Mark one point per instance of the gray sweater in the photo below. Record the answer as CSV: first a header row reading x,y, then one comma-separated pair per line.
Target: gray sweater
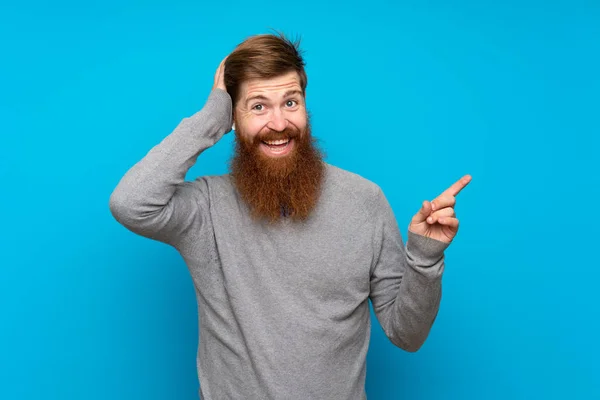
x,y
283,310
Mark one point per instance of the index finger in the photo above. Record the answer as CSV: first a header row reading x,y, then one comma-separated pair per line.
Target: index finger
x,y
458,185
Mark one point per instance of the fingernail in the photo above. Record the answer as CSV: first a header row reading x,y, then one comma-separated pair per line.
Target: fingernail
x,y
432,206
429,219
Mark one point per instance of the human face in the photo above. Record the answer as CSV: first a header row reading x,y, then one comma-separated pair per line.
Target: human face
x,y
267,109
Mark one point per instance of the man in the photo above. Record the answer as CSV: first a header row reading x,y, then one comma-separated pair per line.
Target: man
x,y
286,250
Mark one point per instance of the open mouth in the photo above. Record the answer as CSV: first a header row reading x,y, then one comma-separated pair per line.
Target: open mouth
x,y
277,147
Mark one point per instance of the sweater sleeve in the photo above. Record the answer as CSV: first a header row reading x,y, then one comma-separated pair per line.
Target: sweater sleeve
x,y
152,199
406,281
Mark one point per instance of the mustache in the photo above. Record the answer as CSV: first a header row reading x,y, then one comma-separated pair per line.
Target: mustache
x,y
287,133
281,187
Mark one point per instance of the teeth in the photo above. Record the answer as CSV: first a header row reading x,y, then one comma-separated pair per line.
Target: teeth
x,y
277,142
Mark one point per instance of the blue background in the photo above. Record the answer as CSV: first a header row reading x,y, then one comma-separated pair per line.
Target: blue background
x,y
411,95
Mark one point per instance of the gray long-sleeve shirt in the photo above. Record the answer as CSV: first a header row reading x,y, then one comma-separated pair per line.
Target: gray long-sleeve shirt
x,y
283,310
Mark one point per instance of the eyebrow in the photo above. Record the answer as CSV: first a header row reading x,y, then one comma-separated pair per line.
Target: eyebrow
x,y
261,97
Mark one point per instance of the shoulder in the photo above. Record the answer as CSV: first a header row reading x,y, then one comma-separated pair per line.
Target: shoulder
x,y
352,187
214,185
350,182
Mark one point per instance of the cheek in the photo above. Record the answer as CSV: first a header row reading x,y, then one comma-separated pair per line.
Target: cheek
x,y
299,121
248,128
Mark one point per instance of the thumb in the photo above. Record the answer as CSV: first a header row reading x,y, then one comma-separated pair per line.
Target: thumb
x,y
423,213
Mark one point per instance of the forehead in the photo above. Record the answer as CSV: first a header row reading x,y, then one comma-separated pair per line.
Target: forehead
x,y
272,86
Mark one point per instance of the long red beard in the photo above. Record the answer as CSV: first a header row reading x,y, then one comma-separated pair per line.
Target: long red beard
x,y
274,188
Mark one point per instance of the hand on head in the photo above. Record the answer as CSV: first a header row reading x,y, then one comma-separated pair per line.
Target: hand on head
x,y
220,76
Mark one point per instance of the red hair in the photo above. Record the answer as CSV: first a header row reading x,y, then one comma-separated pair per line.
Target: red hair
x,y
263,57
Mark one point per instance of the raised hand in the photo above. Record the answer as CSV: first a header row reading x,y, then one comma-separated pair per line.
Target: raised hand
x,y
220,76
437,219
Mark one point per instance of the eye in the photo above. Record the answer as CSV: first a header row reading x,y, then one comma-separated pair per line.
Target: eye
x,y
291,103
258,107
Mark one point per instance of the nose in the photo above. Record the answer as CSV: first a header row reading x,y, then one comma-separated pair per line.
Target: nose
x,y
278,121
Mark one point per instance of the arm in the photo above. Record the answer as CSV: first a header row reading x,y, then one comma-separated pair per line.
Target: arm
x,y
406,282
152,198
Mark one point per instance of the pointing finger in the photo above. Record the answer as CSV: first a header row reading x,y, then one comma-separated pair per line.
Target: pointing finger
x,y
458,185
442,201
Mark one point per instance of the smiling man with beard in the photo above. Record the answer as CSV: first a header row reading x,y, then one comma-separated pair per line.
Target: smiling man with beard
x,y
277,169
286,250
